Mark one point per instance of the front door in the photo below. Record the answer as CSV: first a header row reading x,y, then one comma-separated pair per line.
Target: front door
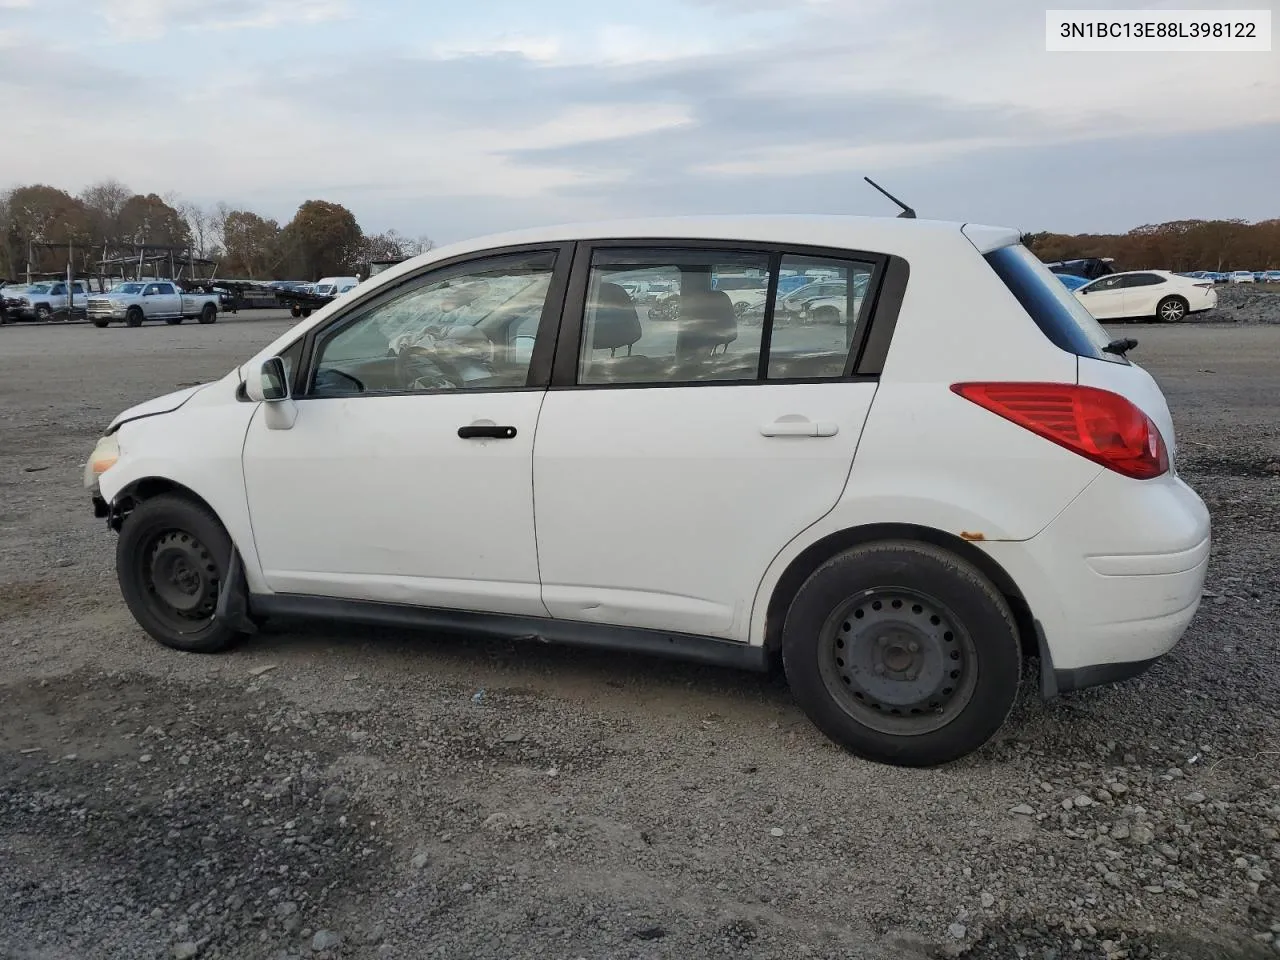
x,y
407,475
1104,298
673,463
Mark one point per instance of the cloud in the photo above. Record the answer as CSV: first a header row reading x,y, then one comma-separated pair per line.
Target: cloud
x,y
701,105
153,19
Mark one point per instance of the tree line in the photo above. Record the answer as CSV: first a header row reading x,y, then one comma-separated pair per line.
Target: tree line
x,y
42,226
1179,245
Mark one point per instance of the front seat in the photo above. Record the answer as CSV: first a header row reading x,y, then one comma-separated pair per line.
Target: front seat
x,y
707,323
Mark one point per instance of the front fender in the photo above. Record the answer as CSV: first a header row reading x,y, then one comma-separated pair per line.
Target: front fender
x,y
198,448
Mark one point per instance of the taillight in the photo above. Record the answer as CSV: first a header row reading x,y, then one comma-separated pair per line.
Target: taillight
x,y
1103,426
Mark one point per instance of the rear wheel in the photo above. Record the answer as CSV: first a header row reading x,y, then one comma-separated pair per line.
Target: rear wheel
x,y
1171,309
133,317
295,310
209,313
171,560
902,653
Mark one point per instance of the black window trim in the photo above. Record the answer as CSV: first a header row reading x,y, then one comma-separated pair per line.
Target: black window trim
x,y
877,319
544,344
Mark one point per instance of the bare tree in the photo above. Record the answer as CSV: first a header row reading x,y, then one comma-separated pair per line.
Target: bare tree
x,y
206,238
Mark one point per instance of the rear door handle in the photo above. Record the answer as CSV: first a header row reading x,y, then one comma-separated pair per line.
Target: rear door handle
x,y
794,425
486,431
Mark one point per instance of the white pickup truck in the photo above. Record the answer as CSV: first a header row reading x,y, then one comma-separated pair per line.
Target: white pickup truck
x,y
47,299
136,301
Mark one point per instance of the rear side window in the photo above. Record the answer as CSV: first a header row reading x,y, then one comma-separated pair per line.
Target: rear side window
x,y
1059,315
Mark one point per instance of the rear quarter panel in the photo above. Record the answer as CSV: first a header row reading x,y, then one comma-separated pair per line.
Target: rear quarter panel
x,y
927,456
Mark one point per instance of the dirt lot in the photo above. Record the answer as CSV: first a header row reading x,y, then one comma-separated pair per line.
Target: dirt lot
x,y
347,793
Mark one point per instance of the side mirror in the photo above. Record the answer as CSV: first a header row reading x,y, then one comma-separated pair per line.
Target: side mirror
x,y
269,382
270,385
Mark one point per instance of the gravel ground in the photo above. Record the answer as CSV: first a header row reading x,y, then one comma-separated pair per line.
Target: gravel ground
x,y
1245,303
368,793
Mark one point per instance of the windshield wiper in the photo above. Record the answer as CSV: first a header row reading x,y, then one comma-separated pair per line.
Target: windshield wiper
x,y
1120,347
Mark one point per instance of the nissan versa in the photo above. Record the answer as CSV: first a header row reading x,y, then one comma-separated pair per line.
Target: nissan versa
x,y
900,500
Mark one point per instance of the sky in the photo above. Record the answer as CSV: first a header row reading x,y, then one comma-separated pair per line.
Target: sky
x,y
453,120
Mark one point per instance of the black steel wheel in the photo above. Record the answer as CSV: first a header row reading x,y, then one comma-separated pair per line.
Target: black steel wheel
x,y
208,314
898,661
172,560
903,653
133,317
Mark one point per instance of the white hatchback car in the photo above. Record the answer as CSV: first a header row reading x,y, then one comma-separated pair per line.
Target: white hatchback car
x,y
494,436
1147,294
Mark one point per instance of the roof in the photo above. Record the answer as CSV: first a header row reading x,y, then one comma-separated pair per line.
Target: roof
x,y
891,235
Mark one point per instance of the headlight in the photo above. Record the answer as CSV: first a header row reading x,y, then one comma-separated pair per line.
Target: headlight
x,y
105,454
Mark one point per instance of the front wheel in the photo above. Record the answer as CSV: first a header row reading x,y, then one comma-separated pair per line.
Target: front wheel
x,y
172,559
43,313
1171,309
133,317
903,653
209,313
295,310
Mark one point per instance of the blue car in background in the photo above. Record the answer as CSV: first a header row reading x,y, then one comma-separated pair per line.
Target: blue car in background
x,y
1071,281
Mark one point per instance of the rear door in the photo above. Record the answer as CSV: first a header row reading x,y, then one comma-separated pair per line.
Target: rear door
x,y
1142,291
676,455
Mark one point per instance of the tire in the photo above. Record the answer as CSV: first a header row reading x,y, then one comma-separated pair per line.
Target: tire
x,y
133,317
173,321
208,314
1172,310
43,313
171,557
893,627
825,315
306,311
100,321
295,310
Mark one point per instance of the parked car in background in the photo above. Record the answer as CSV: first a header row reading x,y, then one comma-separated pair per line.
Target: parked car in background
x,y
10,297
1240,276
1146,294
1271,276
49,299
1071,281
137,301
899,511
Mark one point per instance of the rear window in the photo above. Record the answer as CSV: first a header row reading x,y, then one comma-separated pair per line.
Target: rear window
x,y
1059,315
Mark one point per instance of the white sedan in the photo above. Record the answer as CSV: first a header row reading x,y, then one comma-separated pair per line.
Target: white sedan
x,y
1146,294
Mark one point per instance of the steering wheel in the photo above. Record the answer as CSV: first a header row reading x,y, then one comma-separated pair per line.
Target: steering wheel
x,y
445,377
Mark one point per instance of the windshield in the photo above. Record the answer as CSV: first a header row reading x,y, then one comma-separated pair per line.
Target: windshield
x,y
1056,311
128,288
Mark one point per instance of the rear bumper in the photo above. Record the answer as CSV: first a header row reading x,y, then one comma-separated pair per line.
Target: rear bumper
x,y
1114,581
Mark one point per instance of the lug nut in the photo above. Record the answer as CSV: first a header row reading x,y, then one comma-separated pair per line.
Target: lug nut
x,y
913,647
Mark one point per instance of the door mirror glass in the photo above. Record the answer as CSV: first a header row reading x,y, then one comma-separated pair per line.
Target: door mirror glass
x,y
270,383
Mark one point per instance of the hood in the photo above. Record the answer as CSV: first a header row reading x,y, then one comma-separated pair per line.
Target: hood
x,y
150,408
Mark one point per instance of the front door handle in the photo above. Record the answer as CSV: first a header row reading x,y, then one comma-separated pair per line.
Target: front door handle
x,y
486,431
794,425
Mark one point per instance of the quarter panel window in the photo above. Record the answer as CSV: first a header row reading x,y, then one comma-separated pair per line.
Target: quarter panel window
x,y
469,327
815,324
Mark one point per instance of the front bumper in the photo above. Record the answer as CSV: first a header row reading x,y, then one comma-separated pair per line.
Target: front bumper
x,y
1114,581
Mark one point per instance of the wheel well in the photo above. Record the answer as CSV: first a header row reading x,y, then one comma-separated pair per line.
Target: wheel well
x,y
145,489
816,554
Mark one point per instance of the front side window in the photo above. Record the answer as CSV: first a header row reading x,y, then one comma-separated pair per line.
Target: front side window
x,y
152,290
464,328
688,334
166,288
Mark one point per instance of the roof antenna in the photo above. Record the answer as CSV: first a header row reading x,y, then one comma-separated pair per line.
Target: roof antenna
x,y
907,212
